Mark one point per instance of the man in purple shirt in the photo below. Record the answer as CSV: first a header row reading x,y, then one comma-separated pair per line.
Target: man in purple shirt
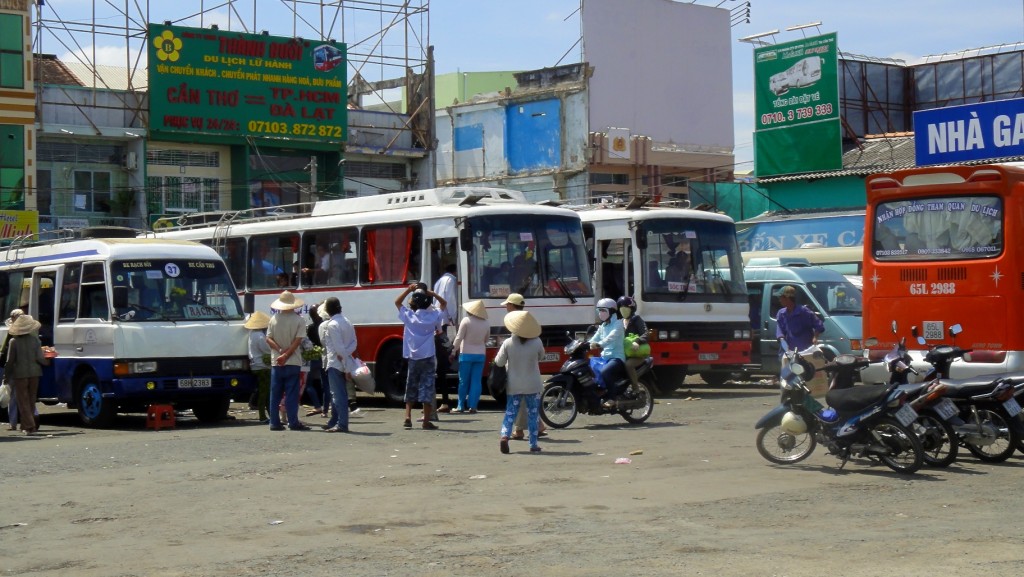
x,y
797,324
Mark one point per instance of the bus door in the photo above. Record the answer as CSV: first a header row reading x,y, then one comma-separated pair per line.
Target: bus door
x,y
613,267
42,305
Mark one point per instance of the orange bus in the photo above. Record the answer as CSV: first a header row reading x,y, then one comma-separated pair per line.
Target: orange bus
x,y
940,250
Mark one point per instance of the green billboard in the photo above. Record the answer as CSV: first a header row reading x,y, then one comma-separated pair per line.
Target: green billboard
x,y
796,103
206,81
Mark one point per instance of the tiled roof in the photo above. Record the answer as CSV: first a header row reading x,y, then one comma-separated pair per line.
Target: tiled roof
x,y
49,70
876,154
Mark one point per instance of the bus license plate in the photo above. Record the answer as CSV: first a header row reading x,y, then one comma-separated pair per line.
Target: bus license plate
x,y
946,409
906,415
707,357
551,357
1012,406
194,383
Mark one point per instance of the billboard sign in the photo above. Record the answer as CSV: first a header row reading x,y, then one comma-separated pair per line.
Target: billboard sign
x,y
970,132
796,102
206,81
15,223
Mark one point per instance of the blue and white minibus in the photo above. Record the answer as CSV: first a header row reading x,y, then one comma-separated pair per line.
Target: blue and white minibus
x,y
135,322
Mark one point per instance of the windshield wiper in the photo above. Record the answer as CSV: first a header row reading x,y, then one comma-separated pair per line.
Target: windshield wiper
x,y
130,314
565,289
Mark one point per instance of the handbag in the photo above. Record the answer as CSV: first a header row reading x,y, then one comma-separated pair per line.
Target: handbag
x,y
362,378
5,395
497,378
642,352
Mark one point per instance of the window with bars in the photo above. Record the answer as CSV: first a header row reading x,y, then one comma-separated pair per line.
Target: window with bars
x,y
389,170
179,157
182,194
92,190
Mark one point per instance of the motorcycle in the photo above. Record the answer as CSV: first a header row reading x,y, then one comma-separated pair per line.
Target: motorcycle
x,y
575,389
980,413
867,421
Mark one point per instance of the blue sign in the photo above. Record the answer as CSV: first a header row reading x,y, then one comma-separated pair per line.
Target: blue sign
x,y
970,132
828,231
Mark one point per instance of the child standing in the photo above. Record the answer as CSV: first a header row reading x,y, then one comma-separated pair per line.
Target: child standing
x,y
258,347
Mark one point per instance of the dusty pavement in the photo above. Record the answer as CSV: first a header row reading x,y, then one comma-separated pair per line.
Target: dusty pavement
x,y
238,499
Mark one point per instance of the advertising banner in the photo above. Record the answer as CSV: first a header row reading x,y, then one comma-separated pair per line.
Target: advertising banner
x,y
970,132
14,223
212,82
796,102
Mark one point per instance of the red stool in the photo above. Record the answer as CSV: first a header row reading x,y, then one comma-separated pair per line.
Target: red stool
x,y
158,416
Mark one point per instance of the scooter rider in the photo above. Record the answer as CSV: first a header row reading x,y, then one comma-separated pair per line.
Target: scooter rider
x,y
610,337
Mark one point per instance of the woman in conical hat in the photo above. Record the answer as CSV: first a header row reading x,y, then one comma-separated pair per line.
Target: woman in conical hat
x,y
471,346
521,354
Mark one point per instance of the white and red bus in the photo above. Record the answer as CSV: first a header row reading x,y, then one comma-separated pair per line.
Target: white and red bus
x,y
366,250
940,250
684,269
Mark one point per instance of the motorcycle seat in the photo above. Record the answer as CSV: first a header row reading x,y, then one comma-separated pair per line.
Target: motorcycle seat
x,y
915,389
966,388
857,398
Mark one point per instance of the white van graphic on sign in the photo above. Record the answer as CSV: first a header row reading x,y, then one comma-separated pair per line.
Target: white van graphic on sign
x,y
804,73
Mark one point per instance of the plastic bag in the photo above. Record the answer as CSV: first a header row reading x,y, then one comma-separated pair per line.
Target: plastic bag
x,y
497,378
641,352
362,378
5,395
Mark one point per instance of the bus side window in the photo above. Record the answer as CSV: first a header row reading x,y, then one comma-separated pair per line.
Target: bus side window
x,y
391,255
94,302
69,293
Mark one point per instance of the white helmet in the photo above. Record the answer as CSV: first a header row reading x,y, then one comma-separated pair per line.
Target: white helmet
x,y
793,424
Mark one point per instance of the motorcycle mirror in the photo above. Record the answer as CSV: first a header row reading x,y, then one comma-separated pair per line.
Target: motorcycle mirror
x,y
913,331
921,341
894,326
955,330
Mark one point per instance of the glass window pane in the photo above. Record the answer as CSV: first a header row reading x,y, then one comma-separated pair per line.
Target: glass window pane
x,y
924,86
11,33
1007,73
950,80
12,70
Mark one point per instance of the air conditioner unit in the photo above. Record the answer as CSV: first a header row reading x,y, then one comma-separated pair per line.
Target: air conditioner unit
x,y
129,161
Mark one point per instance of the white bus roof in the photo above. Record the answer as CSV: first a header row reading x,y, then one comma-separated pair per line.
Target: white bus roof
x,y
603,213
102,248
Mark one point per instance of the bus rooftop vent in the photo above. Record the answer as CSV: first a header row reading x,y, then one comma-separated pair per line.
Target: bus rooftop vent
x,y
464,195
107,232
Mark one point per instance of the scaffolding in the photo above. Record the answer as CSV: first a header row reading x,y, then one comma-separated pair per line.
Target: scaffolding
x,y
388,43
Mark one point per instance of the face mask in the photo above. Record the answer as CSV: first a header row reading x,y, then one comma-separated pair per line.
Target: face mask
x,y
625,312
603,314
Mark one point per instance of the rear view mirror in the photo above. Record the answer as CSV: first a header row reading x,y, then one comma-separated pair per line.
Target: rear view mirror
x,y
120,297
466,238
956,329
248,303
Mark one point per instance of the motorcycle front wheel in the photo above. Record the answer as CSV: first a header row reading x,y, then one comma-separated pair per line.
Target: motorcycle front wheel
x,y
937,439
558,406
643,393
1002,446
905,454
782,448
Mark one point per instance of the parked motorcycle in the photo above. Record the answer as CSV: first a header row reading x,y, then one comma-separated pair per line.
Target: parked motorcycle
x,y
575,389
867,421
982,410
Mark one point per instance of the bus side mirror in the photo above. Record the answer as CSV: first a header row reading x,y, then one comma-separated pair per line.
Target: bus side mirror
x,y
641,240
4,285
465,239
120,297
248,303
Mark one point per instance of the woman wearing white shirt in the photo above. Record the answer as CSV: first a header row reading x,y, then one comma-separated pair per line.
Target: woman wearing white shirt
x,y
471,343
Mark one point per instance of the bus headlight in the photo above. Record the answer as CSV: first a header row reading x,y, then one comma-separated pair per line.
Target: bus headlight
x,y
124,369
741,334
662,335
234,365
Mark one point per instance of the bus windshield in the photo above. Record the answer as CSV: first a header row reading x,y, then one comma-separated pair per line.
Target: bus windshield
x,y
685,257
533,255
172,289
938,228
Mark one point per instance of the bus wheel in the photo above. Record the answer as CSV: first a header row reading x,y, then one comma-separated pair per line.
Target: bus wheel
x,y
93,409
715,379
669,378
212,410
390,373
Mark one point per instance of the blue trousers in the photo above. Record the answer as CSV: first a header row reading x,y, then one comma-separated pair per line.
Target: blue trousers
x,y
471,372
339,399
532,415
284,382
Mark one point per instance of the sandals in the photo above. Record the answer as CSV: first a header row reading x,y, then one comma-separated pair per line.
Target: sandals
x,y
503,445
313,412
519,436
